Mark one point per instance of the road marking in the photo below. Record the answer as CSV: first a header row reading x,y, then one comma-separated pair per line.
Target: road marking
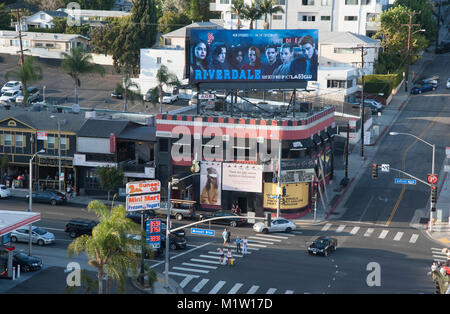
x,y
260,238
200,285
208,256
326,227
204,261
191,269
257,245
252,289
217,253
285,234
235,288
398,236
271,291
258,241
413,238
275,236
185,281
181,274
340,228
383,234
369,232
354,230
217,287
198,265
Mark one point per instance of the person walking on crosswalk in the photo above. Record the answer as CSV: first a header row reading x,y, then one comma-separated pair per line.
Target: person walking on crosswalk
x,y
221,255
238,244
244,246
225,236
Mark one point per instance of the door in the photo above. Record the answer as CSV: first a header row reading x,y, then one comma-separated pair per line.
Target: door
x,y
242,203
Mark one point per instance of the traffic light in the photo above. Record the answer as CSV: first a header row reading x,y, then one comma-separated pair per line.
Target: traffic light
x,y
315,188
268,219
433,193
374,171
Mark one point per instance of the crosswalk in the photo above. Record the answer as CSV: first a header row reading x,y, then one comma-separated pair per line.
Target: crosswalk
x,y
438,255
384,234
192,273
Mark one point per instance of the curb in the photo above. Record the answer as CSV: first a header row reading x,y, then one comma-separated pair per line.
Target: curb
x,y
339,199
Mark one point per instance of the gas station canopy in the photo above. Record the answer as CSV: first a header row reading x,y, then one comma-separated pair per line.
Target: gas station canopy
x,y
11,220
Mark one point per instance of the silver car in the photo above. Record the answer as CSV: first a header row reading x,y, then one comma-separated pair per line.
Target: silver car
x,y
39,235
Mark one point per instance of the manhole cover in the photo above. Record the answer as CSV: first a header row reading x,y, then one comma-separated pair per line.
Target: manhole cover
x,y
424,220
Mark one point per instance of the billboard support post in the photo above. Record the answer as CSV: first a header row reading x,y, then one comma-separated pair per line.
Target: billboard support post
x,y
279,179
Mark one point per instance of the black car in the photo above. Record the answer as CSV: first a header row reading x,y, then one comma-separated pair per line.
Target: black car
x,y
233,222
27,263
116,94
136,215
322,245
177,242
52,197
77,227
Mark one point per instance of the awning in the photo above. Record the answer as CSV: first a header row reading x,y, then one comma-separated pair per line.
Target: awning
x,y
302,144
11,220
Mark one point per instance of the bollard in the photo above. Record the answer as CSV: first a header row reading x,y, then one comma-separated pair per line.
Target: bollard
x,y
14,274
18,271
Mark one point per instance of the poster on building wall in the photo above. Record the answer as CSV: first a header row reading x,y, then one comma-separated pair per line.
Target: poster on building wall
x,y
296,196
242,177
210,183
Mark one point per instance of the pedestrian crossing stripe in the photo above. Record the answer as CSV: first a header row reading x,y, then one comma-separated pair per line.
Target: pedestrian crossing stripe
x,y
191,269
326,227
235,288
383,234
204,261
253,289
340,228
398,236
413,238
217,287
369,232
200,285
198,265
260,238
355,230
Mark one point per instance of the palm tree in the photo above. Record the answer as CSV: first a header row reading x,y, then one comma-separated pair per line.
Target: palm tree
x,y
253,12
165,78
109,249
237,8
268,8
129,90
77,63
27,73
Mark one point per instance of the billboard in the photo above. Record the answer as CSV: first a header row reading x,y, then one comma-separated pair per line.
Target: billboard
x,y
242,177
252,55
210,183
296,196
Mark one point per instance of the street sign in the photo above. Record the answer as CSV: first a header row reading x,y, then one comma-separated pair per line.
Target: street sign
x,y
206,232
153,230
143,187
404,181
385,167
432,178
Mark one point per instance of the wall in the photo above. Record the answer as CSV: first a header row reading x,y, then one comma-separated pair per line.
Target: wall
x,y
93,145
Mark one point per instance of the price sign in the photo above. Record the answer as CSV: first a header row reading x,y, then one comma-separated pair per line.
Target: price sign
x,y
153,229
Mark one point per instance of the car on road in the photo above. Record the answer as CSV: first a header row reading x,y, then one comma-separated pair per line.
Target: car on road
x,y
11,86
136,215
27,263
176,243
277,225
52,197
9,96
4,191
39,235
233,221
423,88
77,227
116,94
448,83
33,95
169,98
322,245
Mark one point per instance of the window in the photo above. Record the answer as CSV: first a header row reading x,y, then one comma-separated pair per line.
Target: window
x,y
277,17
308,2
350,18
365,2
158,60
336,84
7,140
325,18
224,1
63,143
168,41
163,145
51,142
279,2
349,83
19,140
306,18
344,50
351,2
325,3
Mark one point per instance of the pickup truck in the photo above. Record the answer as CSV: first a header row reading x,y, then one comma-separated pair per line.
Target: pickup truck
x,y
322,245
180,209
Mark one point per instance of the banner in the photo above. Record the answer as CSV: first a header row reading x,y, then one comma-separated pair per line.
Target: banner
x,y
210,183
242,177
252,55
296,196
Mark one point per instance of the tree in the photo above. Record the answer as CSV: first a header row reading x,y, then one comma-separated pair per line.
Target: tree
x,y
110,178
4,163
171,21
238,8
252,12
267,8
129,90
78,63
165,78
27,73
425,18
5,18
143,14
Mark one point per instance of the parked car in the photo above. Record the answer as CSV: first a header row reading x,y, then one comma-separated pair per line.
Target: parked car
x,y
27,263
12,86
176,243
4,191
374,105
116,94
448,83
423,88
9,96
277,225
233,222
52,197
77,227
169,98
38,235
429,81
136,215
33,95
322,245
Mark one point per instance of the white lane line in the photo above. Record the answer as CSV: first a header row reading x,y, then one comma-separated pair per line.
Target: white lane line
x,y
235,288
209,256
326,227
261,238
253,289
200,285
180,274
257,245
369,232
354,230
204,261
185,281
383,234
413,238
198,265
289,292
271,291
398,236
217,287
274,236
258,241
217,253
188,251
191,269
285,234
340,228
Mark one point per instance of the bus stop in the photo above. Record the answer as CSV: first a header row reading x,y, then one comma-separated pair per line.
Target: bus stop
x,y
9,221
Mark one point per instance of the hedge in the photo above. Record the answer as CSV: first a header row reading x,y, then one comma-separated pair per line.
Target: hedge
x,y
382,83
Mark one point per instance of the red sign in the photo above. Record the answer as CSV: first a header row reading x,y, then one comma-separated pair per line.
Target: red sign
x,y
432,178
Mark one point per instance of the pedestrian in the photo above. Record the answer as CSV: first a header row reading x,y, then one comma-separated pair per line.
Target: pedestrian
x,y
221,255
225,236
244,246
229,238
229,257
238,244
68,194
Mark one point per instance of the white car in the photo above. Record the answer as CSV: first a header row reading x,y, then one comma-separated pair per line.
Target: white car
x,y
277,225
38,235
169,99
4,191
12,86
33,95
9,96
448,82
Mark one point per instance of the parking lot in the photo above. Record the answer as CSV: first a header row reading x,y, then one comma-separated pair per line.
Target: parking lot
x,y
95,91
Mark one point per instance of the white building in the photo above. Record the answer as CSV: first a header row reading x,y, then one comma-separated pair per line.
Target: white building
x,y
358,16
41,19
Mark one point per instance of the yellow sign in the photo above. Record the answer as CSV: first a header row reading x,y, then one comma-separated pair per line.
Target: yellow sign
x,y
296,195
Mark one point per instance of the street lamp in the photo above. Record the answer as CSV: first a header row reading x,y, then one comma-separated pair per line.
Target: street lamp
x,y
30,198
433,146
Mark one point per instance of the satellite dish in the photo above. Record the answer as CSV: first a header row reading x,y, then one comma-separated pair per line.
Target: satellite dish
x,y
76,108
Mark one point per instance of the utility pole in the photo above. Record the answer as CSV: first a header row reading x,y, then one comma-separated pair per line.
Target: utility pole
x,y
17,13
410,25
438,25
